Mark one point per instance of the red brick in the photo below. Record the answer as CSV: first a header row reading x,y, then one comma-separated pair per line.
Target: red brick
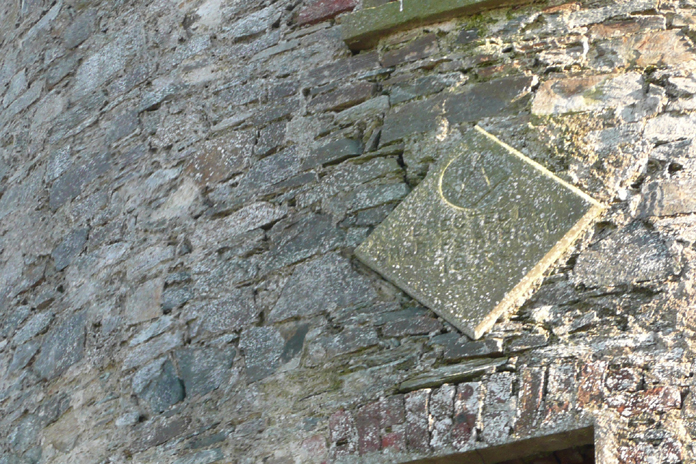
x,y
467,408
591,380
367,422
392,411
315,447
343,434
529,401
394,441
417,435
321,10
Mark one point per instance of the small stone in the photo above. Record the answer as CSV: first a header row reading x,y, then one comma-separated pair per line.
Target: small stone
x,y
466,414
70,184
229,314
333,152
154,348
344,435
628,256
253,24
327,283
270,138
202,457
411,326
529,400
343,98
204,369
165,390
23,354
416,50
373,107
499,408
669,128
80,29
61,68
441,411
145,302
69,248
122,126
422,86
156,328
220,158
321,10
62,347
262,348
17,86
150,435
367,421
33,327
343,68
349,341
270,170
465,349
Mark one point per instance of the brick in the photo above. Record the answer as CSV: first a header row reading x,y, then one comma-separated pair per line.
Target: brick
x,y
415,50
344,435
417,415
499,408
590,383
466,414
321,10
367,422
441,411
343,98
466,349
394,441
529,400
561,383
393,411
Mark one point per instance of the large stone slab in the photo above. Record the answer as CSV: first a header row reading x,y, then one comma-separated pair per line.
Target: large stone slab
x,y
363,29
474,236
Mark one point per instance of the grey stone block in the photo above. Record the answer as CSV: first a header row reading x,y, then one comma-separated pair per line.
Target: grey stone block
x,y
81,28
202,457
62,347
165,390
204,369
262,348
69,248
324,284
33,327
229,314
333,152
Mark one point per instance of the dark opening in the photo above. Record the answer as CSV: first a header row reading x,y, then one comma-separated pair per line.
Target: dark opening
x,y
573,447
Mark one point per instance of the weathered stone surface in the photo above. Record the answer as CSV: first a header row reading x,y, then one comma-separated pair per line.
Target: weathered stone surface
x,y
204,369
367,421
80,30
343,68
593,93
343,98
348,341
69,248
262,348
658,48
416,50
220,158
34,326
466,414
458,286
529,400
17,86
417,434
62,347
668,128
321,10
441,410
153,349
451,374
325,284
474,103
465,349
609,264
253,23
22,355
270,137
155,434
236,310
411,326
165,390
70,184
363,28
202,457
144,303
428,85
668,198
499,408
333,152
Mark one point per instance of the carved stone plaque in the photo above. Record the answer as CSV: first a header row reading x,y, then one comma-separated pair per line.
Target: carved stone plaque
x,y
478,231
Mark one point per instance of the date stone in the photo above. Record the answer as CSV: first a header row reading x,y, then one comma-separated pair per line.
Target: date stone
x,y
474,236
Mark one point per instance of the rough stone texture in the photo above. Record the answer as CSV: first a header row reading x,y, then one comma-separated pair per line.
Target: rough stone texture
x,y
178,281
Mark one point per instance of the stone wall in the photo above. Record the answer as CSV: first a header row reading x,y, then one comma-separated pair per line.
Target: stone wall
x,y
182,186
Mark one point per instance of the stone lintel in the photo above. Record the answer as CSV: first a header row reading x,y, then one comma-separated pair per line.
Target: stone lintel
x,y
362,29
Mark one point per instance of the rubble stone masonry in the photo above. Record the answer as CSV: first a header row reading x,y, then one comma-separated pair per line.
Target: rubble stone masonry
x,y
183,183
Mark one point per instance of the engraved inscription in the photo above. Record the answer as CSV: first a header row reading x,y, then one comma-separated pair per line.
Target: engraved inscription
x,y
475,234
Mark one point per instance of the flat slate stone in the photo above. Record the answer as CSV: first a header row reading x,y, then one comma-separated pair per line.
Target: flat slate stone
x,y
474,236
